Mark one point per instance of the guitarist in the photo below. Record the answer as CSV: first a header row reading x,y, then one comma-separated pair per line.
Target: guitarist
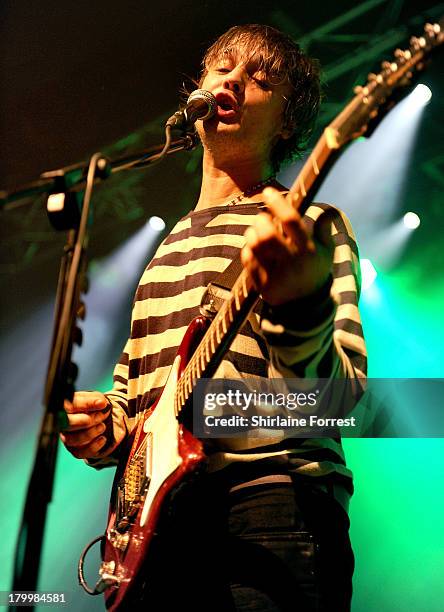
x,y
267,527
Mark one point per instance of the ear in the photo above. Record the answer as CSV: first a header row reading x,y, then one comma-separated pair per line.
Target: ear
x,y
287,130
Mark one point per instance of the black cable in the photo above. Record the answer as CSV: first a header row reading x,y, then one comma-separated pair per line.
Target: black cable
x,y
153,159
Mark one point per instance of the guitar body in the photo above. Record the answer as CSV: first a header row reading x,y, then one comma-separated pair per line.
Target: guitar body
x,y
163,456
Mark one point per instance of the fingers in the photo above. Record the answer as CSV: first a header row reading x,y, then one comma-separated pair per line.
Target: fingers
x,y
87,414
83,436
87,451
83,420
86,401
257,272
290,220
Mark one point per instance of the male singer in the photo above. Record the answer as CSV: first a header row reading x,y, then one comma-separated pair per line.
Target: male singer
x,y
266,528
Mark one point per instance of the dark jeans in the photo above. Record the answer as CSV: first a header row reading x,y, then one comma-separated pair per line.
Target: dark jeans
x,y
264,548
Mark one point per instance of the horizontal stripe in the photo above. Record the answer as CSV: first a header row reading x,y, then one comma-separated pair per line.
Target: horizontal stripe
x,y
232,219
168,301
247,364
149,381
181,226
348,311
153,343
177,260
344,283
345,268
139,365
349,326
120,379
347,298
193,242
237,230
348,340
200,279
342,253
341,239
158,324
174,274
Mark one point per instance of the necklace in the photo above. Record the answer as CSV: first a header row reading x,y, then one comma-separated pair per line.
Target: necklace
x,y
249,192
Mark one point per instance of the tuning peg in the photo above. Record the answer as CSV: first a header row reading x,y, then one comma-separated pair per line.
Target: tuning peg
x,y
429,29
357,89
81,310
77,336
407,54
84,284
414,43
72,373
385,65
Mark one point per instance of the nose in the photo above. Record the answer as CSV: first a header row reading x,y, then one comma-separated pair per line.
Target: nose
x,y
234,81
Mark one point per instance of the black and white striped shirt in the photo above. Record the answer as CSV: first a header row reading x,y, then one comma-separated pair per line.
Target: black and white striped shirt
x,y
325,340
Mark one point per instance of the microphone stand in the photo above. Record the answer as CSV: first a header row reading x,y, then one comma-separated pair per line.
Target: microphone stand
x,y
73,177
64,187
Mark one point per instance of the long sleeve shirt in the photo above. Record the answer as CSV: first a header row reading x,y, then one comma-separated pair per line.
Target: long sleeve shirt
x,y
306,339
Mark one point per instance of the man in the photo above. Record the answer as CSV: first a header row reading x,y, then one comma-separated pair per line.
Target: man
x,y
266,528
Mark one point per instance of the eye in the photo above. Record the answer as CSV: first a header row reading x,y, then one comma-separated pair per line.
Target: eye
x,y
222,70
262,83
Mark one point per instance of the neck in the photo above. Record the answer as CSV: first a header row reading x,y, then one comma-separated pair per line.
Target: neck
x,y
219,184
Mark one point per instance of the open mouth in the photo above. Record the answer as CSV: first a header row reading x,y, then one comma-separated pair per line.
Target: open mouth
x,y
227,105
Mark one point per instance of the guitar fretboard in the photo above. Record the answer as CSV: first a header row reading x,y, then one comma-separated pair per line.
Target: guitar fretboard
x,y
218,337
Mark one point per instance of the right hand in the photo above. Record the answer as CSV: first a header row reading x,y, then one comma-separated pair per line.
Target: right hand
x,y
85,436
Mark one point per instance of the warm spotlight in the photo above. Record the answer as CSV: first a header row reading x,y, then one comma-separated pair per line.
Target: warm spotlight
x,y
411,220
369,273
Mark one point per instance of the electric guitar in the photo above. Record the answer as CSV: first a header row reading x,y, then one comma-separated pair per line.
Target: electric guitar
x,y
164,453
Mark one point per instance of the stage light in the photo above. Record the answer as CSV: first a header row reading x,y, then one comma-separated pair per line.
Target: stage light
x,y
421,95
368,272
156,223
411,220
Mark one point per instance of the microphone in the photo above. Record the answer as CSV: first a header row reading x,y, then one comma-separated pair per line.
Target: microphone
x,y
200,105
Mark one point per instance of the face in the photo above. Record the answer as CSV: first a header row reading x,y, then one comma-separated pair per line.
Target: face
x,y
250,106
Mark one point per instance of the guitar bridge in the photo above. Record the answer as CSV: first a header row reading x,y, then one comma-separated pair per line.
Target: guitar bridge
x,y
131,492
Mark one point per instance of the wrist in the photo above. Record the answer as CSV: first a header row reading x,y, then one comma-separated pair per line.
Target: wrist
x,y
304,312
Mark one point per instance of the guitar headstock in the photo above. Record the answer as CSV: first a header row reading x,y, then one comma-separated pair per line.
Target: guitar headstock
x,y
368,106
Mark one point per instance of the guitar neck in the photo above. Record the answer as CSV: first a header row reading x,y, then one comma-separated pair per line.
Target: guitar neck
x,y
218,338
243,296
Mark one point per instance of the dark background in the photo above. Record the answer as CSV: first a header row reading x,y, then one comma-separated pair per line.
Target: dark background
x,y
78,77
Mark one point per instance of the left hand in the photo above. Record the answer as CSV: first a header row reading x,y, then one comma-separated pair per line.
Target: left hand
x,y
283,259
